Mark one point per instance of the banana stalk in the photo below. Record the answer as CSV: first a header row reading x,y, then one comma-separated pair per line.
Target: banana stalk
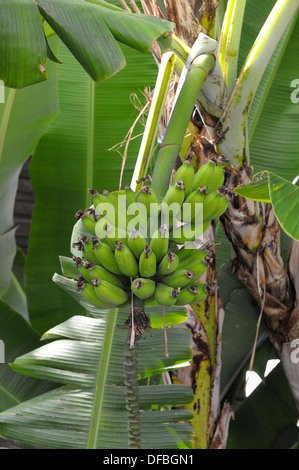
x,y
180,117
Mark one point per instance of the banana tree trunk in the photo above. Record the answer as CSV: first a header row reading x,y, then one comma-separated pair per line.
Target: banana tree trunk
x,y
254,234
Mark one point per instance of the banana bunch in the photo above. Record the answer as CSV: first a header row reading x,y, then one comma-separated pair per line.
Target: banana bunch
x,y
124,255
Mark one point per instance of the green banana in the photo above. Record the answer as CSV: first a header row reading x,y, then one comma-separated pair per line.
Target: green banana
x,y
198,268
97,198
195,256
125,260
89,220
83,268
109,293
101,273
111,233
179,278
159,242
186,174
130,195
191,295
143,288
111,208
175,195
88,293
137,217
188,232
215,205
147,262
165,295
137,242
147,196
189,212
102,228
169,264
186,250
211,174
105,256
85,245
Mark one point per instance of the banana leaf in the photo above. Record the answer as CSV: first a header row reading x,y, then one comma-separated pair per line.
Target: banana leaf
x,y
72,357
267,418
24,118
273,117
20,25
91,31
239,328
71,158
18,338
283,195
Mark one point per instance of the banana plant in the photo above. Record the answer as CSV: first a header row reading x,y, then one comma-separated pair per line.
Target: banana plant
x,y
85,345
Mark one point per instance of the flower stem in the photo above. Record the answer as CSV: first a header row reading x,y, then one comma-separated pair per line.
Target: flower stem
x,y
181,114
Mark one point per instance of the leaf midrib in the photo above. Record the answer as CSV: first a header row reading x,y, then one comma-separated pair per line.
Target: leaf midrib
x,y
101,379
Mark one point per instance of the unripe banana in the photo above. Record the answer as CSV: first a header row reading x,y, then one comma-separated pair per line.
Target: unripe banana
x,y
180,278
219,176
194,256
125,260
169,264
137,242
147,262
83,268
137,217
89,271
88,293
85,245
198,270
191,295
159,242
204,175
186,174
89,219
110,209
97,198
143,288
105,256
186,250
188,233
175,196
111,233
165,295
215,205
109,293
147,196
196,197
211,174
130,195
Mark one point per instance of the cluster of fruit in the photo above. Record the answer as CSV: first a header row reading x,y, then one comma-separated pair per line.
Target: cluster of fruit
x,y
117,261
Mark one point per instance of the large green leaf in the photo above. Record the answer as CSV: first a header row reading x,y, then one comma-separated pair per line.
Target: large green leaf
x,y
86,35
283,195
91,31
73,358
273,117
267,418
24,117
239,329
18,338
71,158
20,25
